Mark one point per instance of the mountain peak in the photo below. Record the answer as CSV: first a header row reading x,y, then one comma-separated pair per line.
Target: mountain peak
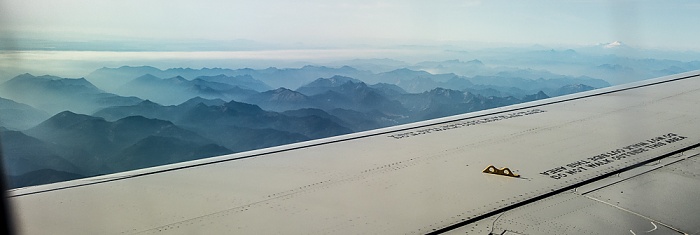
x,y
66,119
406,72
475,62
178,78
142,123
334,81
28,77
234,106
29,82
284,94
280,90
24,76
540,95
614,44
439,91
200,100
147,77
148,103
134,67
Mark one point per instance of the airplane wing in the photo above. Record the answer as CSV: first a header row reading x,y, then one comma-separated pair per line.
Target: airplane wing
x,y
619,160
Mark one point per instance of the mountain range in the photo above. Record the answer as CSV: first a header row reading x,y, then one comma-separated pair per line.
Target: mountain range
x,y
415,79
177,89
54,94
82,145
125,118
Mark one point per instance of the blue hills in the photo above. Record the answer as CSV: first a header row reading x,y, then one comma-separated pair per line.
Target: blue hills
x,y
126,118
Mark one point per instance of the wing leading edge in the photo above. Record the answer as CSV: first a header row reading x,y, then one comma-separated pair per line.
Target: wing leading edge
x,y
614,160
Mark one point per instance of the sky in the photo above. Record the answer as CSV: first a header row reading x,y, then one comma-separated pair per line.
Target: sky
x,y
326,23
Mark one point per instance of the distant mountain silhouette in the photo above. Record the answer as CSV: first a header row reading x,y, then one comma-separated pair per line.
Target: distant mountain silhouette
x,y
280,99
145,108
177,89
159,150
488,92
411,80
497,86
110,79
242,81
404,74
163,91
361,97
361,121
236,125
218,90
348,93
509,80
388,90
319,113
240,139
442,102
463,68
55,94
616,68
457,83
18,116
571,89
24,154
98,136
374,65
322,85
295,78
210,119
199,100
150,109
103,141
540,95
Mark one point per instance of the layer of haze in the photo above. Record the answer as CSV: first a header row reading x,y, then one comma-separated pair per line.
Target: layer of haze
x,y
71,38
322,23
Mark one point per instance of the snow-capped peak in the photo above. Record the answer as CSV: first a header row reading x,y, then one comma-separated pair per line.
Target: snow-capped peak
x,y
613,44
